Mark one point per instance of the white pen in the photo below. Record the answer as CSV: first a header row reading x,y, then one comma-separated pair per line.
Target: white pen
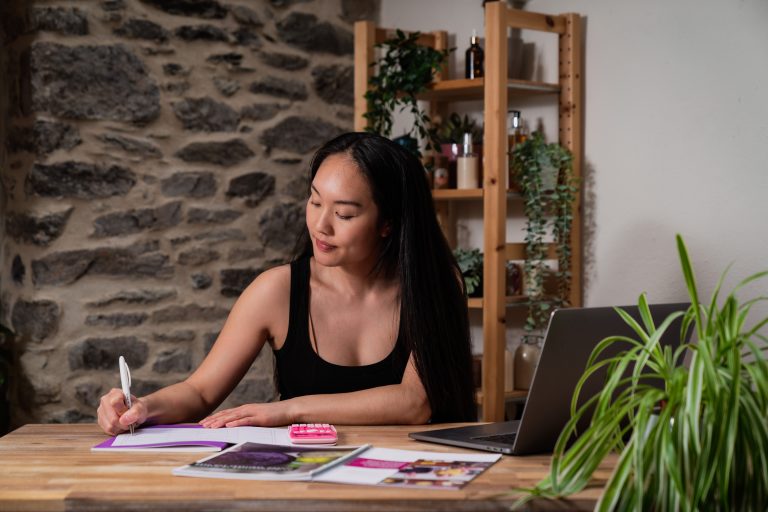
x,y
125,383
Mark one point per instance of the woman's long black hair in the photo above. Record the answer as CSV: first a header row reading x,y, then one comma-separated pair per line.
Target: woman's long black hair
x,y
434,321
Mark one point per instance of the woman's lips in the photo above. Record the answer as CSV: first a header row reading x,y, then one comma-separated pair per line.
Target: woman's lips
x,y
324,247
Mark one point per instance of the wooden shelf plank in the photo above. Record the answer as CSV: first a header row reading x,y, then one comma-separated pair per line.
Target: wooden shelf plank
x,y
454,194
511,300
472,89
516,395
457,194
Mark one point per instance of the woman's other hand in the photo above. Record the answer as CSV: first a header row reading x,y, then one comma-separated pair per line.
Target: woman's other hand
x,y
273,414
113,415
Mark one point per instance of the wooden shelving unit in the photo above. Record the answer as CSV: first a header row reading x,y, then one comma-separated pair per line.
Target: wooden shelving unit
x,y
495,90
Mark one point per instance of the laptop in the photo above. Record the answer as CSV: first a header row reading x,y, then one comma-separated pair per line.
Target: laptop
x,y
571,336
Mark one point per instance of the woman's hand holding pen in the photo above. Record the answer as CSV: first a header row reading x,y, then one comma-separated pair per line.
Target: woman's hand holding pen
x,y
114,417
272,414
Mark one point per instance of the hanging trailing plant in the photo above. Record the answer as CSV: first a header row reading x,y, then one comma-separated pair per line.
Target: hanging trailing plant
x,y
548,209
404,70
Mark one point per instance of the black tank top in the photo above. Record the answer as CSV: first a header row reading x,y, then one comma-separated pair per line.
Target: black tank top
x,y
300,371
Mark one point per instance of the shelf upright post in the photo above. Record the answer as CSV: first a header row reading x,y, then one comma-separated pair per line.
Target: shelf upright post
x,y
365,39
571,111
495,168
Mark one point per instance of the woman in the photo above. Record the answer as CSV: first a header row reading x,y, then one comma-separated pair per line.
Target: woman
x,y
368,325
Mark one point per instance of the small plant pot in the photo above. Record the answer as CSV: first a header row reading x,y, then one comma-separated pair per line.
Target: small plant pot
x,y
526,359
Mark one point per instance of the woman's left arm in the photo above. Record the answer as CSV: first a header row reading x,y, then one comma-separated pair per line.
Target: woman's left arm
x,y
398,404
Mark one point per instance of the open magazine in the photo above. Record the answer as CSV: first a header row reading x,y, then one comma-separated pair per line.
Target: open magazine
x,y
365,465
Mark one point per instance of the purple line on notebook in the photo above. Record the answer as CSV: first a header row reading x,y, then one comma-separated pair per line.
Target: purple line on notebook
x,y
217,444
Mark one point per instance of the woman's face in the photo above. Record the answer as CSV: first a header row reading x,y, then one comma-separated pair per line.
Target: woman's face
x,y
342,219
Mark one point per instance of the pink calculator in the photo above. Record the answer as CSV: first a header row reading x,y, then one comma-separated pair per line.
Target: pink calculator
x,y
312,433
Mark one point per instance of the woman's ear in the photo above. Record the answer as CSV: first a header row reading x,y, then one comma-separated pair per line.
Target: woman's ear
x,y
386,230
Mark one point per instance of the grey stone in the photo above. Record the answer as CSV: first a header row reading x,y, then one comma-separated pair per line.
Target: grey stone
x,y
246,36
42,230
225,153
175,242
206,115
88,394
242,254
140,387
287,161
35,320
92,82
174,336
198,256
189,184
297,188
245,16
235,280
68,22
143,297
189,313
208,340
201,281
221,235
134,221
134,147
359,10
80,180
287,3
72,416
173,69
334,84
102,353
233,59
43,137
304,31
254,390
113,5
226,86
279,88
138,260
284,61
300,134
175,360
198,8
204,216
117,320
280,226
254,187
260,111
18,270
201,33
135,28
177,88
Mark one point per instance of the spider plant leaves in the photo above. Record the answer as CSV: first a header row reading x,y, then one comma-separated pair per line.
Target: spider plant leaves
x,y
698,442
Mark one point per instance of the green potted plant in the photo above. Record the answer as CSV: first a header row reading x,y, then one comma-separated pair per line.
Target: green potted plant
x,y
548,210
698,443
404,70
451,132
471,265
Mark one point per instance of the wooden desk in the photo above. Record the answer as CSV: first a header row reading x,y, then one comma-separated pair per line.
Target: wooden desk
x,y
51,467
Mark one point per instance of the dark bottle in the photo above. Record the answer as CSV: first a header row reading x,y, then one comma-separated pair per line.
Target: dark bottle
x,y
474,59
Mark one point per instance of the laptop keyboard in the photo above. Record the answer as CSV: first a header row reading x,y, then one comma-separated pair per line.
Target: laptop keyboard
x,y
498,438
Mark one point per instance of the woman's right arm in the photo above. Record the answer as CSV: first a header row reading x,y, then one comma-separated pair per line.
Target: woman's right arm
x,y
261,313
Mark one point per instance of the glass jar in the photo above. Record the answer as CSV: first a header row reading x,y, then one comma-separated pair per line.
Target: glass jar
x,y
526,359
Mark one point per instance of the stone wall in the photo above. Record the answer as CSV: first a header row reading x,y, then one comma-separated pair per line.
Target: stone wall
x,y
156,163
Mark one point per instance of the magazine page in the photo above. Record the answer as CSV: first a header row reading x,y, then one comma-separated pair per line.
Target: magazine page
x,y
409,468
255,461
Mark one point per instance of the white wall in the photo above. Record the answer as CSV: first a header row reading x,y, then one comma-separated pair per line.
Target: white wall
x,y
676,135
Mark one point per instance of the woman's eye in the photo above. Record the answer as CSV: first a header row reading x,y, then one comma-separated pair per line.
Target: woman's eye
x,y
344,217
314,203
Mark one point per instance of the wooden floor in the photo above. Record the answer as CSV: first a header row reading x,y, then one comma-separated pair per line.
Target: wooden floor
x,y
51,467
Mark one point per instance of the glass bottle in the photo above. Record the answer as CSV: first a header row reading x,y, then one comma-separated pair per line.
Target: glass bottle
x,y
526,359
474,58
467,166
